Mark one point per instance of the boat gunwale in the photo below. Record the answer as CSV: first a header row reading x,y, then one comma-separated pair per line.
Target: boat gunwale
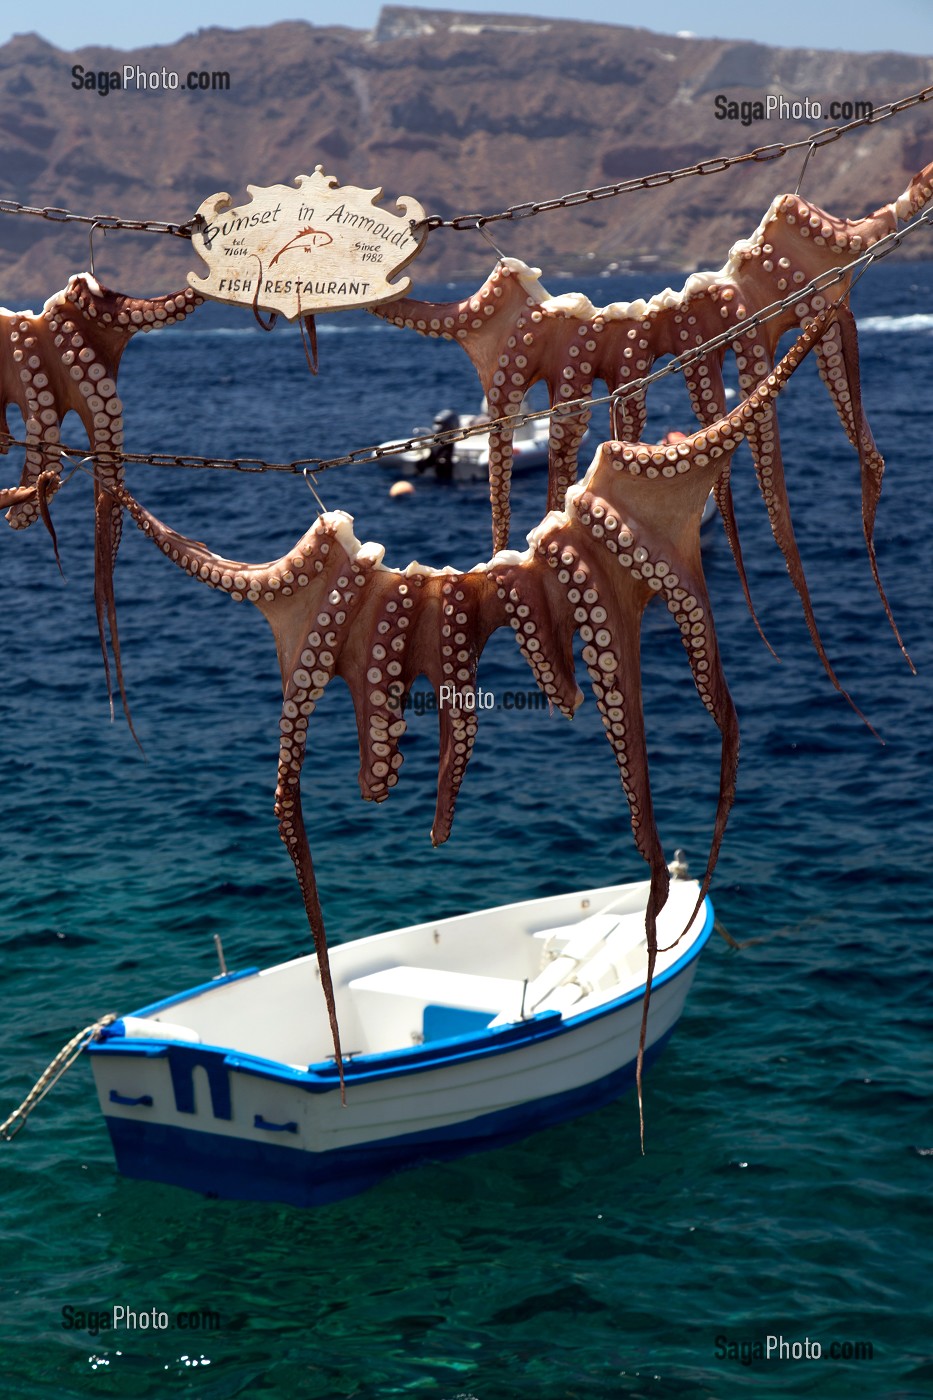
x,y
370,1067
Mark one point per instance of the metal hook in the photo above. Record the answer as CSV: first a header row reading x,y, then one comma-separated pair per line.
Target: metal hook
x,y
90,242
806,161
82,466
75,468
861,273
481,228
310,479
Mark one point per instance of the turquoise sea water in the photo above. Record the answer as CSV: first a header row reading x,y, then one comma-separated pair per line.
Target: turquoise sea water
x,y
785,1190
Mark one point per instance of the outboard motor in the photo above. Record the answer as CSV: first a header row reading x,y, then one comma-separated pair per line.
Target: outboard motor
x,y
441,456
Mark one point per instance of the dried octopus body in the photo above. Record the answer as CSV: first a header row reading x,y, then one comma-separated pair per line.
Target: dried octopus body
x,y
65,358
516,335
628,532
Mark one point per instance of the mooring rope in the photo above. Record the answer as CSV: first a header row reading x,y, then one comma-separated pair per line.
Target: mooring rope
x,y
46,1081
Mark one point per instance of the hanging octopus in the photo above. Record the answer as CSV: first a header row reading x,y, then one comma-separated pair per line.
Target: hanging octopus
x,y
628,532
66,358
516,335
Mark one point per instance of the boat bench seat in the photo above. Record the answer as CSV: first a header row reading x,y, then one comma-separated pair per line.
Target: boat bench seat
x,y
581,955
579,939
431,1003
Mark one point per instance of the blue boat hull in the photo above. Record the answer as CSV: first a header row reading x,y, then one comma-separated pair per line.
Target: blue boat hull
x,y
235,1169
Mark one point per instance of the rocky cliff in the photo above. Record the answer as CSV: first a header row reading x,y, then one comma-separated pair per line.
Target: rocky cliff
x,y
465,112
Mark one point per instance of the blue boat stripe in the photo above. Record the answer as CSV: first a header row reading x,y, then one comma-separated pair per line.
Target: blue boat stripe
x,y
238,1168
260,1122
183,1060
195,992
322,1077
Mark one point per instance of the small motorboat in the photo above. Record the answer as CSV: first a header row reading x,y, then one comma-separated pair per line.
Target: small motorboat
x,y
459,1034
468,459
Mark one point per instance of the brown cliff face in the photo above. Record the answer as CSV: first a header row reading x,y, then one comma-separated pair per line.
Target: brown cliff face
x,y
466,113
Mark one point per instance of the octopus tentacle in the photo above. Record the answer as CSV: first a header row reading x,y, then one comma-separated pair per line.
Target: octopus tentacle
x,y
628,531
47,483
304,677
612,657
543,627
500,480
378,670
292,831
764,441
566,434
64,359
839,369
516,334
42,491
465,625
708,399
107,517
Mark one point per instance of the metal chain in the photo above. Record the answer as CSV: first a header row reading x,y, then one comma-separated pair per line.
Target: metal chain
x,y
712,166
102,221
373,453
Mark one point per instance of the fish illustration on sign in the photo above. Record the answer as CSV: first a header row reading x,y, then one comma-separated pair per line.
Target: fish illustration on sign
x,y
318,239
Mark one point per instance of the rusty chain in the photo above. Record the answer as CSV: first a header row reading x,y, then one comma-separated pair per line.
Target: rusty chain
x,y
376,452
713,165
101,221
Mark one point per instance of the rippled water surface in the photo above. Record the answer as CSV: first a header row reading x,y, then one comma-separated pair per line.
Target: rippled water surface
x,y
785,1191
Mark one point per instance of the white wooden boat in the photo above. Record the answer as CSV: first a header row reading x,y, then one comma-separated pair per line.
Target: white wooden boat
x,y
459,1034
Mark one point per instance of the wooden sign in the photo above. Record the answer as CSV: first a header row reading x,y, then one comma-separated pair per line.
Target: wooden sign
x,y
317,247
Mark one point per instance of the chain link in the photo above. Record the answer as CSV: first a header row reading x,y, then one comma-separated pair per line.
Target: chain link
x,y
713,165
102,221
376,452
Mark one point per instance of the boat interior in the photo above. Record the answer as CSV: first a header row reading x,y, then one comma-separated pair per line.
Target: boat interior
x,y
436,980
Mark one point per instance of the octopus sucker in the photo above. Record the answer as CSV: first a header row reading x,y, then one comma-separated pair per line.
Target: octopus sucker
x,y
468,615
45,487
846,389
567,342
764,441
15,495
75,345
548,645
708,398
623,537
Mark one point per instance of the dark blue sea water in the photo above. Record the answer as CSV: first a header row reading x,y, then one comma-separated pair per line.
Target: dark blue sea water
x,y
785,1191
